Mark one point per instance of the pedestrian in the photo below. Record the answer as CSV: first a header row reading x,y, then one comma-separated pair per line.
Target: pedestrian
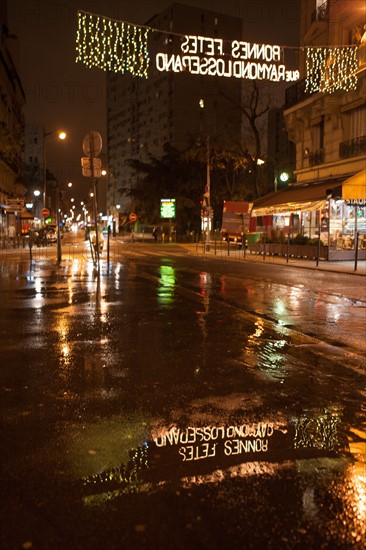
x,y
155,233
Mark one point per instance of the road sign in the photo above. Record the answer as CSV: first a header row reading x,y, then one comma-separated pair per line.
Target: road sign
x,y
86,166
45,212
133,217
92,144
15,204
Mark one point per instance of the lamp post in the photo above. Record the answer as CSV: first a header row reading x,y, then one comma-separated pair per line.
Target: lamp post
x,y
61,136
112,209
36,194
58,220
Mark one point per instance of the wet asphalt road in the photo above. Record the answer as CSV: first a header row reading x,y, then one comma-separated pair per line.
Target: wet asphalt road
x,y
173,402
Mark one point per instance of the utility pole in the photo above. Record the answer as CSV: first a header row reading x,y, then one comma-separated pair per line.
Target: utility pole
x,y
208,190
58,221
92,167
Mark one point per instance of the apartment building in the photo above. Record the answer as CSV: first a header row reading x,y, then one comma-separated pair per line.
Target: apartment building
x,y
169,107
325,116
281,153
12,100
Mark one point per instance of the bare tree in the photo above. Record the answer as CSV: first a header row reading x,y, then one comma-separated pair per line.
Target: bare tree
x,y
255,103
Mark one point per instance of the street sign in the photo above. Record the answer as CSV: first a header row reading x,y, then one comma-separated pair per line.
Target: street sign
x,y
45,212
86,167
133,217
15,204
92,144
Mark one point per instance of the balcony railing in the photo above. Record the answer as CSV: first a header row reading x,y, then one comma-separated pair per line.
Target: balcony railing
x,y
317,157
352,148
295,94
321,13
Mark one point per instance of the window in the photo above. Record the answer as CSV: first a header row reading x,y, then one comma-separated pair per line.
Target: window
x,y
321,12
358,122
318,135
354,122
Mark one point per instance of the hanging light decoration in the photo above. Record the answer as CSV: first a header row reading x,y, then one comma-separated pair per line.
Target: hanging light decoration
x,y
113,46
331,69
121,47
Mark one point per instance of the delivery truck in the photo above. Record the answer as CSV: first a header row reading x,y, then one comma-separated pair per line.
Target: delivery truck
x,y
235,220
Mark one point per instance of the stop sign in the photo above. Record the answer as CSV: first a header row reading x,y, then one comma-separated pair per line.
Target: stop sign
x,y
133,217
45,212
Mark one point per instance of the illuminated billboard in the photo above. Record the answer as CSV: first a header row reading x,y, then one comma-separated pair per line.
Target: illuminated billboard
x,y
167,208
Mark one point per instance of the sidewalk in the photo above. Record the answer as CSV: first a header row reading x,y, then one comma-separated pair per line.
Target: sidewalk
x,y
198,249
348,267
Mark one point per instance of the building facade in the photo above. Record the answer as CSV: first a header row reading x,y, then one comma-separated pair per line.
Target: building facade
x,y
34,166
12,100
325,116
143,114
281,151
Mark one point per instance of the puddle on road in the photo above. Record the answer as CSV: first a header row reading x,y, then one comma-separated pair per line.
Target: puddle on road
x,y
139,383
326,454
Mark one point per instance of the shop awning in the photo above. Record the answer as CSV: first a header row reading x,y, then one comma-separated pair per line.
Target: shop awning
x,y
297,198
354,188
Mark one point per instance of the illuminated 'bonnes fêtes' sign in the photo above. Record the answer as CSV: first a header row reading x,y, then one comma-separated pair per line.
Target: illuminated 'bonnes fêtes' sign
x,y
207,56
121,47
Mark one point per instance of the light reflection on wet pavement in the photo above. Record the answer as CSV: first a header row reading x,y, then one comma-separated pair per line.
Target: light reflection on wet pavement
x,y
162,407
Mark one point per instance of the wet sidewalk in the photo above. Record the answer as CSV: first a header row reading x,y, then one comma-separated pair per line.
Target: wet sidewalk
x,y
349,267
219,252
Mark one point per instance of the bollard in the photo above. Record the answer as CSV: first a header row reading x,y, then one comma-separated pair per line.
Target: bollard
x,y
108,245
318,254
30,242
356,250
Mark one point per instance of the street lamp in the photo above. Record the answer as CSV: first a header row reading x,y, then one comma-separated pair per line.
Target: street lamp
x,y
36,194
112,210
61,136
58,220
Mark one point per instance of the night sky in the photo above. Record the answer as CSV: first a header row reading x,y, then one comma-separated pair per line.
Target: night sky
x,y
63,94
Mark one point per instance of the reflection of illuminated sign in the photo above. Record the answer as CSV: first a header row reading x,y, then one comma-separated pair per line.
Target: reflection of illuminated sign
x,y
167,208
198,443
320,432
228,445
206,56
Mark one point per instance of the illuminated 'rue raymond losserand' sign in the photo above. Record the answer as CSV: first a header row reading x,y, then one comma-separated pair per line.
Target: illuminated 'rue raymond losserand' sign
x,y
121,47
207,56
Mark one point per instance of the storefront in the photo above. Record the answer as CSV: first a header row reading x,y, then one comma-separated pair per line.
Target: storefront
x,y
334,210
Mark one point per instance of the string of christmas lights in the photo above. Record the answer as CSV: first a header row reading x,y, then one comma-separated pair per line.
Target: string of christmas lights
x,y
111,45
121,47
331,69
